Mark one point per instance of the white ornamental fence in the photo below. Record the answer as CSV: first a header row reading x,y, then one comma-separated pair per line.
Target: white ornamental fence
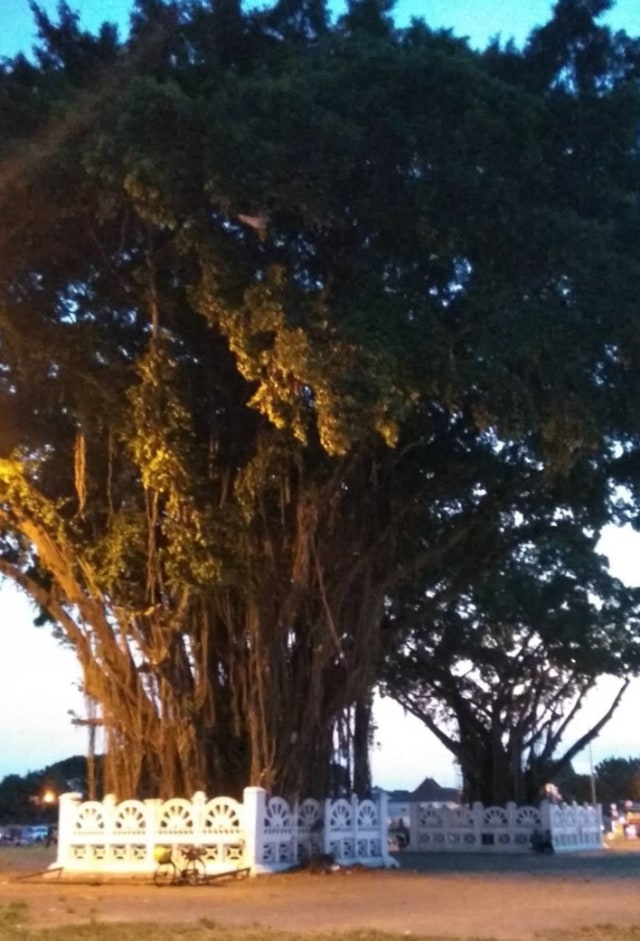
x,y
479,829
575,827
261,833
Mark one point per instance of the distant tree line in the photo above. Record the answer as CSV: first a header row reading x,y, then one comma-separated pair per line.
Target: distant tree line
x,y
615,781
26,799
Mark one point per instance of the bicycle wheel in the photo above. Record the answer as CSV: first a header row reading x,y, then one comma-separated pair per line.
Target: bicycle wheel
x,y
195,871
165,874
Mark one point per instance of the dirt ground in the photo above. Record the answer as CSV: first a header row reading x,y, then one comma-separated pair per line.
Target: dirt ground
x,y
518,897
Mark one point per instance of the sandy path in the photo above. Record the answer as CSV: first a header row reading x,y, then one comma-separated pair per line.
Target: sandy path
x,y
449,896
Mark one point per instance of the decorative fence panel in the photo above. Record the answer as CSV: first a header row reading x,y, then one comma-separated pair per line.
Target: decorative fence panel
x,y
120,837
264,834
354,830
502,829
292,833
270,834
575,827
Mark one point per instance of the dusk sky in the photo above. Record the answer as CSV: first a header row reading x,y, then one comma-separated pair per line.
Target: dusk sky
x,y
39,678
479,20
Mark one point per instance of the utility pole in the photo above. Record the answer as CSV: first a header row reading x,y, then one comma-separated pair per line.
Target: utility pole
x,y
91,723
592,777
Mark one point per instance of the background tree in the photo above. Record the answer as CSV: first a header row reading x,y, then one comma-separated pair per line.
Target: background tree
x,y
618,779
275,292
496,660
15,803
576,788
21,796
510,685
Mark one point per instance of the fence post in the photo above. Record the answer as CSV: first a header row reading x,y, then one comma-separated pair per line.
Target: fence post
x,y
545,821
153,806
198,802
599,828
512,828
415,841
326,830
254,806
295,831
67,807
383,823
383,829
355,803
477,811
109,805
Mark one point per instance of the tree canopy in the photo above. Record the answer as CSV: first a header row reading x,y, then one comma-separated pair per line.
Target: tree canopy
x,y
618,781
293,311
496,657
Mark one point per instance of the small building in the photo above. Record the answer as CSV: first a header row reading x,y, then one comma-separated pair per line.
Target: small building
x,y
430,792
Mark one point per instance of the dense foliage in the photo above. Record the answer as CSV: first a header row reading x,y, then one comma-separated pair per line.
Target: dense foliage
x,y
497,662
23,797
618,780
299,320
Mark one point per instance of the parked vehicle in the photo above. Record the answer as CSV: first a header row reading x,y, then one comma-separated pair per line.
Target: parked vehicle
x,y
15,835
37,834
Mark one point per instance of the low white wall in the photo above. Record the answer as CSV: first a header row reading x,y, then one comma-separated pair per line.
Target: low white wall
x,y
261,833
480,829
574,826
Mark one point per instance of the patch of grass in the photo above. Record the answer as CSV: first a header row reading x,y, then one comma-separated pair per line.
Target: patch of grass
x,y
13,915
99,931
599,933
13,928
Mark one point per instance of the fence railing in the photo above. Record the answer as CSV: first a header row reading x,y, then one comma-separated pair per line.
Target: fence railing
x,y
509,829
574,826
269,834
261,833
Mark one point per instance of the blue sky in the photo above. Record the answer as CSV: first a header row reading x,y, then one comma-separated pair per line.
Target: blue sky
x,y
39,678
477,19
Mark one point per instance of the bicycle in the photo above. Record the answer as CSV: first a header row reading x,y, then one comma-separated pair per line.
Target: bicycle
x,y
187,869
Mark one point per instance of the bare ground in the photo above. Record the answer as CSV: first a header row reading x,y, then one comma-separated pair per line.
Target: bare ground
x,y
517,897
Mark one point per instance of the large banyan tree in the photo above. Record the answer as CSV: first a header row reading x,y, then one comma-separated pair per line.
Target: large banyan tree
x,y
496,653
273,290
